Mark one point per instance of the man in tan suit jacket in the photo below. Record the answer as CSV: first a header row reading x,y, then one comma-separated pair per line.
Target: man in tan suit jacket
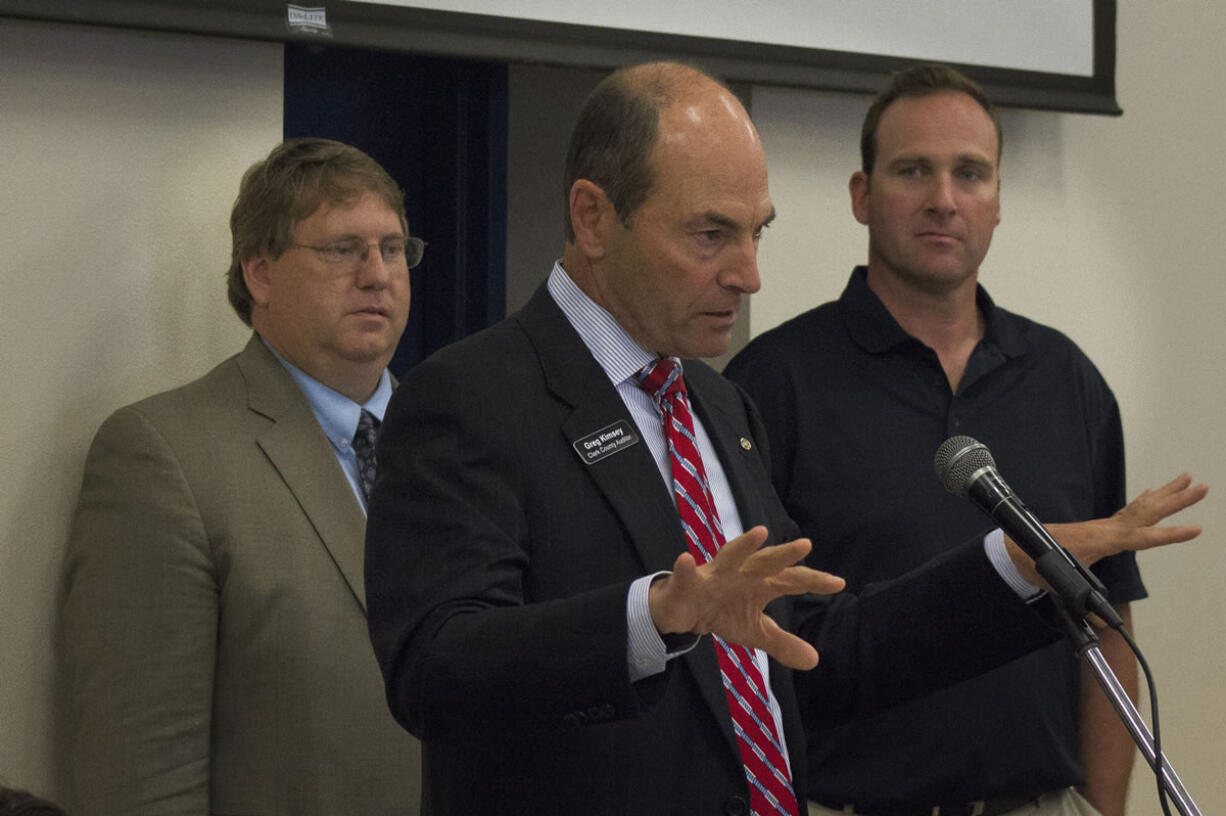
x,y
214,641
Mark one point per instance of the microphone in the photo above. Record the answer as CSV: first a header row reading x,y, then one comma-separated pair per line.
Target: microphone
x,y
966,469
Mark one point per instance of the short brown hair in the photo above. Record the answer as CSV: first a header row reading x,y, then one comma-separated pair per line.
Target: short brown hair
x,y
616,132
921,80
276,193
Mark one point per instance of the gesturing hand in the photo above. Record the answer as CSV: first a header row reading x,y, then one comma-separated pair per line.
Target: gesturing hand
x,y
726,595
1132,528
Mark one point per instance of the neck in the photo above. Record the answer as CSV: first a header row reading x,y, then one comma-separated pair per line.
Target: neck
x,y
585,274
948,322
355,380
581,272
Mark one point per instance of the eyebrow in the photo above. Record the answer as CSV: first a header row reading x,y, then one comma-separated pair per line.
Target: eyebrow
x,y
919,158
719,219
349,236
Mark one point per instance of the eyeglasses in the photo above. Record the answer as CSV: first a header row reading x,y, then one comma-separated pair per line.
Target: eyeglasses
x,y
348,254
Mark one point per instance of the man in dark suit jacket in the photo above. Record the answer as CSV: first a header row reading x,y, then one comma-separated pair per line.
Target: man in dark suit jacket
x,y
535,624
213,630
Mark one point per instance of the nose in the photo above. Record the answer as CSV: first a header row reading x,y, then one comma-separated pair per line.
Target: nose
x,y
372,270
750,280
941,197
741,273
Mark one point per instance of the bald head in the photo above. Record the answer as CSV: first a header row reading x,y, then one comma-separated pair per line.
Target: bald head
x,y
667,198
620,124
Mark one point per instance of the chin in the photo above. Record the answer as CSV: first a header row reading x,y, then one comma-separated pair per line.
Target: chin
x,y
705,350
368,353
937,279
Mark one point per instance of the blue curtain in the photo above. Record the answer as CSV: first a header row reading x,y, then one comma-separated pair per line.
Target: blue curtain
x,y
439,127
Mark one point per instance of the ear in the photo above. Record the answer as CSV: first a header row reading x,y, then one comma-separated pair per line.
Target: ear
x,y
257,274
590,214
858,187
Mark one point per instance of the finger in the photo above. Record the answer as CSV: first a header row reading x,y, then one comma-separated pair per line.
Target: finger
x,y
1151,537
1185,497
1154,505
788,649
770,560
735,551
685,572
1176,493
798,580
1155,510
1180,482
1174,485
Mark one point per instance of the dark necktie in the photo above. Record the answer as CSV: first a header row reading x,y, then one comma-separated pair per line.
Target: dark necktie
x,y
364,449
770,783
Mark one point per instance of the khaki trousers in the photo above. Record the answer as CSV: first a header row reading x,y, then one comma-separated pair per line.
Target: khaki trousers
x,y
1067,802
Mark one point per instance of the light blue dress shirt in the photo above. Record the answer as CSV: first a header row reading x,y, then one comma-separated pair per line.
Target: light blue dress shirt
x,y
338,416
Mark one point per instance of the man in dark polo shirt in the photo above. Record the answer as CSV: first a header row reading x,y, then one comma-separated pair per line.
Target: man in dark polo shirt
x,y
858,394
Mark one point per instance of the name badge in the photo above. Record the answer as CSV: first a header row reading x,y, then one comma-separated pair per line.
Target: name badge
x,y
607,441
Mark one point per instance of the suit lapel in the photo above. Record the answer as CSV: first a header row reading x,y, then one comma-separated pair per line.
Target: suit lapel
x,y
298,449
642,504
731,438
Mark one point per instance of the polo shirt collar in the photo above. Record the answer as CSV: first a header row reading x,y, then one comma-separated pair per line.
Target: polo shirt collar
x,y
873,328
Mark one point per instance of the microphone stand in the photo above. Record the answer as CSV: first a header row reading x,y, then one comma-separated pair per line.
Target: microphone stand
x,y
1085,643
967,469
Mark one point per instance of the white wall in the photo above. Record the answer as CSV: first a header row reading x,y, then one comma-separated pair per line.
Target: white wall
x,y
1112,231
121,158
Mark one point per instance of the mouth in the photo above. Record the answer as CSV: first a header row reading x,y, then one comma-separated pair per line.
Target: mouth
x,y
372,311
722,316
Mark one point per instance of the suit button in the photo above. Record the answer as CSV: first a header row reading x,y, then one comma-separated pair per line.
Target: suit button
x,y
736,806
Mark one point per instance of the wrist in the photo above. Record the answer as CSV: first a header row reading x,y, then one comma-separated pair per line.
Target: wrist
x,y
660,606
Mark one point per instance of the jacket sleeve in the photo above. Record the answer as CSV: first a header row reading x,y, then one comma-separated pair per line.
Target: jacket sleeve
x,y
483,615
138,630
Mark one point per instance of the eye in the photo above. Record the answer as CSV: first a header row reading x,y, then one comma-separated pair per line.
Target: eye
x,y
911,171
342,251
392,250
710,237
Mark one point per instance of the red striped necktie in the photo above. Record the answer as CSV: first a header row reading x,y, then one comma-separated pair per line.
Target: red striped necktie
x,y
770,784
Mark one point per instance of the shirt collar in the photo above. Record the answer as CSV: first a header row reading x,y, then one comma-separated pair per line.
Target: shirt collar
x,y
875,330
337,414
614,349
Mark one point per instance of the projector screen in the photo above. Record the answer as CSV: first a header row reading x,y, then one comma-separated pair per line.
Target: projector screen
x,y
1048,54
1055,36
